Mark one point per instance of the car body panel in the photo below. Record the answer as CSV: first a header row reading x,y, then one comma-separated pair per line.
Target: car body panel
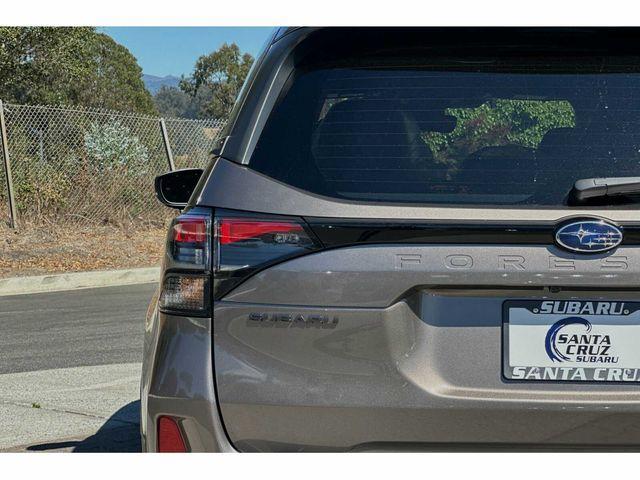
x,y
233,186
399,365
177,381
378,275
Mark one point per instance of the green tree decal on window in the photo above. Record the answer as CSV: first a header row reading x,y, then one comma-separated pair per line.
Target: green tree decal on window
x,y
496,123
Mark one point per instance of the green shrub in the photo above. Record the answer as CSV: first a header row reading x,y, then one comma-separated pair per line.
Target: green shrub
x,y
112,147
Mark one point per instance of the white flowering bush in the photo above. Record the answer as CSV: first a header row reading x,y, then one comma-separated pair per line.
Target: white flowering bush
x,y
112,146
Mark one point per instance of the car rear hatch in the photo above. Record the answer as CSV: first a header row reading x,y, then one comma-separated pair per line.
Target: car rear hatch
x,y
399,259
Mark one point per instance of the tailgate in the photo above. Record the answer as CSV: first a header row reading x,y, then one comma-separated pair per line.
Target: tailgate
x,y
368,346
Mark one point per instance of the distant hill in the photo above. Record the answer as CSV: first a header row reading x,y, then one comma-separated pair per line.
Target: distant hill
x,y
154,83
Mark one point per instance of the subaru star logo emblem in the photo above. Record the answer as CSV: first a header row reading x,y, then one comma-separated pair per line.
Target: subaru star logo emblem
x,y
589,236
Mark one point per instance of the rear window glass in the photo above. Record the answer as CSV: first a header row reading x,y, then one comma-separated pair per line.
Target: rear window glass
x,y
446,132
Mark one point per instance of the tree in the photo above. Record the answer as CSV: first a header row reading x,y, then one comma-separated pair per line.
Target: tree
x,y
216,80
172,102
69,66
116,83
42,65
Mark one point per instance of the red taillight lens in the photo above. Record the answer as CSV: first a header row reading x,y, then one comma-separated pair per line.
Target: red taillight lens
x,y
235,230
190,239
244,244
190,229
169,436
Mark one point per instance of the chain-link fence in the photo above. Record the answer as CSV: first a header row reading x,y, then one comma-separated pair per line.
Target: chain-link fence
x,y
72,165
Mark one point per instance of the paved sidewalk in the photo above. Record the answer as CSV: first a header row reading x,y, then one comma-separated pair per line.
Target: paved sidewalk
x,y
91,408
70,369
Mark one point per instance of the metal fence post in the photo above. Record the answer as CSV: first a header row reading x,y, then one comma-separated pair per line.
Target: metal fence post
x,y
167,145
4,143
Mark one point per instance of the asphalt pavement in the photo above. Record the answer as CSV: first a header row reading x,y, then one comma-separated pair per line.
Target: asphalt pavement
x,y
96,326
70,369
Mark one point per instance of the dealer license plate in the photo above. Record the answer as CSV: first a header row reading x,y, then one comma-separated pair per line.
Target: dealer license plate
x,y
571,341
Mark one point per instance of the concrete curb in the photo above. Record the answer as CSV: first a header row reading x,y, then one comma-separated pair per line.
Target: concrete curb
x,y
73,281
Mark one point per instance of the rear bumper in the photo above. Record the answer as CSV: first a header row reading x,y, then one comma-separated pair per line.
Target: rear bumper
x,y
390,379
177,380
380,379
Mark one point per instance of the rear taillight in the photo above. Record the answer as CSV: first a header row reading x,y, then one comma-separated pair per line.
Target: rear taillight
x,y
169,436
233,230
186,282
185,293
191,239
244,244
232,246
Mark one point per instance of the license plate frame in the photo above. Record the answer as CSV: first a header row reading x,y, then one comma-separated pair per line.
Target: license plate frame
x,y
549,357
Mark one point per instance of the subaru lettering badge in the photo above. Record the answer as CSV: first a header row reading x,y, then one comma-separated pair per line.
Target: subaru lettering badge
x,y
588,236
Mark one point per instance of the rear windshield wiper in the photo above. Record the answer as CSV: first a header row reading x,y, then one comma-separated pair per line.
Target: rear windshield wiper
x,y
591,188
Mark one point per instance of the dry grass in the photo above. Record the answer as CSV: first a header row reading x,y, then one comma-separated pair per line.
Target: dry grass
x,y
37,251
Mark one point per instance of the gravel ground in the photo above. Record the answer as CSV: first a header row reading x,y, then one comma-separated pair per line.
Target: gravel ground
x,y
42,250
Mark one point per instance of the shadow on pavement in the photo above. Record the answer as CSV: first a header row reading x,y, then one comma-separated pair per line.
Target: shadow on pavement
x,y
120,433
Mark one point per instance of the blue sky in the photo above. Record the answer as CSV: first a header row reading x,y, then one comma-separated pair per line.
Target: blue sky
x,y
173,50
